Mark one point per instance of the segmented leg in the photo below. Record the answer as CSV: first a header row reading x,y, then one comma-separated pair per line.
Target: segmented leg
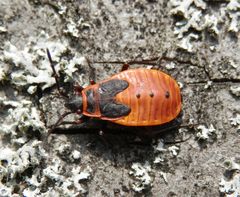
x,y
92,76
92,82
81,120
77,88
125,67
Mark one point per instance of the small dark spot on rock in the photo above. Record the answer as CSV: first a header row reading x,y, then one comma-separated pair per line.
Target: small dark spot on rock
x,y
116,191
167,94
138,95
125,188
171,194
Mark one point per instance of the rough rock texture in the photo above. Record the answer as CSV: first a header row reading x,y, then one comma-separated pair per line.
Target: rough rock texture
x,y
202,38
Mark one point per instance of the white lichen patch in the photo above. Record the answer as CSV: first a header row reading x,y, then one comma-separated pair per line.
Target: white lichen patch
x,y
233,63
159,147
72,185
72,27
205,132
235,90
27,73
182,7
79,176
161,151
20,153
170,66
234,14
32,65
3,29
2,73
54,171
180,84
5,191
22,116
208,84
32,89
158,160
31,62
78,181
230,186
235,121
76,155
232,164
28,192
17,161
141,175
63,148
233,5
72,66
62,9
36,180
174,150
195,16
186,42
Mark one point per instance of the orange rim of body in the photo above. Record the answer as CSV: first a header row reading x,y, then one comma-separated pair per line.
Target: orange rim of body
x,y
153,96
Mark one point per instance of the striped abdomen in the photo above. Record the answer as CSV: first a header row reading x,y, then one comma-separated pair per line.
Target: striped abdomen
x,y
153,96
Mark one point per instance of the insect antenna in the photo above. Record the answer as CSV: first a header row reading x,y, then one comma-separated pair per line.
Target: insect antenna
x,y
155,61
55,75
59,122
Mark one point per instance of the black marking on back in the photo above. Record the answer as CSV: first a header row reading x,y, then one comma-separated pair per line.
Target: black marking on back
x,y
167,94
151,94
108,106
91,103
114,110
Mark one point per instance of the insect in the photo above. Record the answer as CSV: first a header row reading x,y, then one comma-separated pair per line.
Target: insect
x,y
133,97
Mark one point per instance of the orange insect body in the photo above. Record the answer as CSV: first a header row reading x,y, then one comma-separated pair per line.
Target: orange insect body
x,y
153,98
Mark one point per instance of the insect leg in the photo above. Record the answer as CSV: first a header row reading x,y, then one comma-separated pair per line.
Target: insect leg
x,y
81,120
60,120
125,66
77,88
92,82
92,76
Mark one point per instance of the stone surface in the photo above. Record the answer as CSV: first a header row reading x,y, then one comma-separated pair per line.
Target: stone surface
x,y
202,37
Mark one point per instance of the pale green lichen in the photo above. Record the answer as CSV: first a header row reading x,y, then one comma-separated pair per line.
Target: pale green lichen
x,y
235,121
32,64
174,150
141,175
235,90
195,16
205,132
22,115
17,161
230,186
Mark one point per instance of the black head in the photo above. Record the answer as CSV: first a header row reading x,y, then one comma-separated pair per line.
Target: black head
x,y
75,103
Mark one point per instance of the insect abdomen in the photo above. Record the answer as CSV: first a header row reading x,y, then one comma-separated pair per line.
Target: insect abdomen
x,y
153,96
